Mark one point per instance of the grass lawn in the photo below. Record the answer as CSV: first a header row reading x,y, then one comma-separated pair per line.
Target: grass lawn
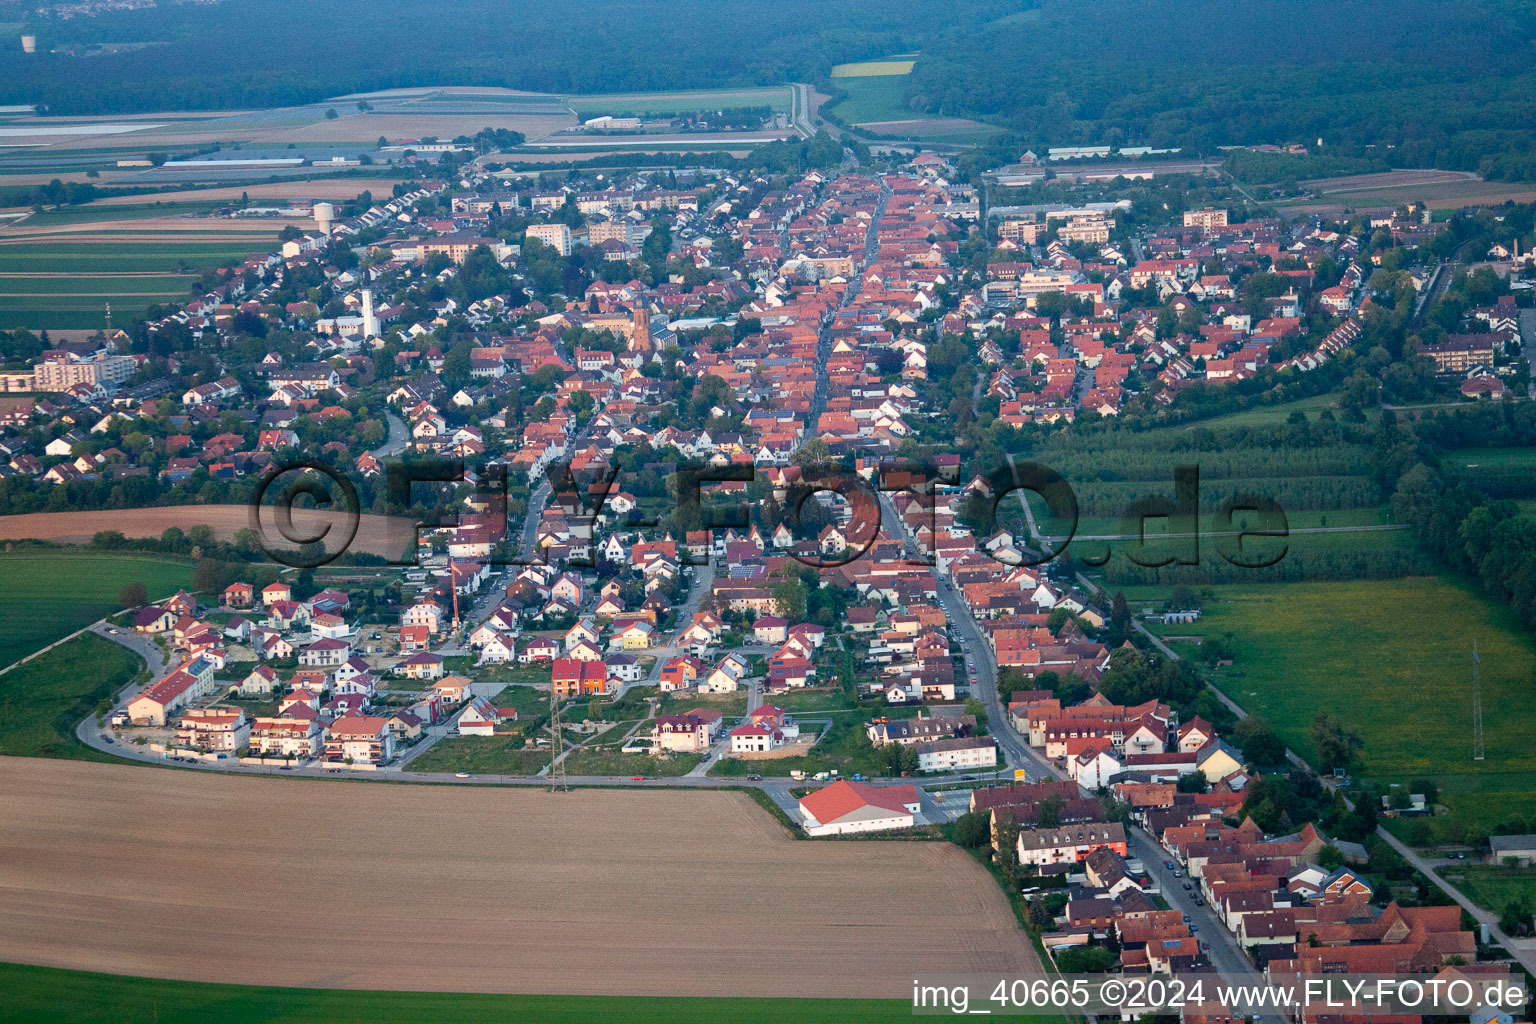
x,y
1393,660
47,594
42,701
1493,888
613,762
502,754
46,994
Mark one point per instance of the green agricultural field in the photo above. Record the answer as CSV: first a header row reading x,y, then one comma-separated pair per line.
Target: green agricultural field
x,y
874,68
502,754
92,213
43,994
1493,888
45,595
1393,660
1473,458
125,257
878,98
42,701
125,284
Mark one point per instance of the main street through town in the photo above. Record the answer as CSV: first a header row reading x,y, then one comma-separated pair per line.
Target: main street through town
x,y
1219,945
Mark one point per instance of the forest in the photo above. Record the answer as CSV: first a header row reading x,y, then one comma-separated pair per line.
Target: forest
x,y
1380,82
289,52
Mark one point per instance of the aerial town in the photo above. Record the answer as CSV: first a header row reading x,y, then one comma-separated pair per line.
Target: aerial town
x,y
955,559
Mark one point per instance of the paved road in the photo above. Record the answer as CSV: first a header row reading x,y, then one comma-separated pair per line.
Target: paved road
x,y
802,109
399,437
1221,946
1520,949
703,583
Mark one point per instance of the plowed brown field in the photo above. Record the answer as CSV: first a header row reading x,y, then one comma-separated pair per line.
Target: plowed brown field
x,y
373,532
355,885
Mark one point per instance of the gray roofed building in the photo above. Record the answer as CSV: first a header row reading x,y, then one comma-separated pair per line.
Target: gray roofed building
x,y
1522,848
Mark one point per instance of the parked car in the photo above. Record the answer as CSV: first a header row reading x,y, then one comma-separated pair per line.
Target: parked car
x,y
1188,886
637,778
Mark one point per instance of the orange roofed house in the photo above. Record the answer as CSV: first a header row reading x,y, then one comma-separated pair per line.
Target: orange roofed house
x,y
845,807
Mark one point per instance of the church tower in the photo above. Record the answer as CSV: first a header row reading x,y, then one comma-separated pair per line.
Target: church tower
x,y
640,337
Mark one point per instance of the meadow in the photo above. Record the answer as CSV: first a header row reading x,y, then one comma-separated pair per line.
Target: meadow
x,y
42,701
1272,415
611,761
47,994
1393,660
873,98
502,754
1493,887
45,595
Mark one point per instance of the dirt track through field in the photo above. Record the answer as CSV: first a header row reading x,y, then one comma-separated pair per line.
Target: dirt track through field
x,y
204,877
374,534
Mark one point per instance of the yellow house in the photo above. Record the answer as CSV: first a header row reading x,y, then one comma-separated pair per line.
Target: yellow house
x,y
1218,760
637,636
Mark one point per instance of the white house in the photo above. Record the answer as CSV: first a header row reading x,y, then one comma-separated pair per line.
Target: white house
x,y
846,807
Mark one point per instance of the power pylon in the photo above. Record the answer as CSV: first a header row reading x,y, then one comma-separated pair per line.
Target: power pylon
x,y
1477,704
557,776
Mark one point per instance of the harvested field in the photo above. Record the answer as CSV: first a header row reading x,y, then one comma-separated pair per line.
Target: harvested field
x,y
373,532
584,155
297,188
874,68
139,229
403,125
1385,179
173,874
621,103
932,127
